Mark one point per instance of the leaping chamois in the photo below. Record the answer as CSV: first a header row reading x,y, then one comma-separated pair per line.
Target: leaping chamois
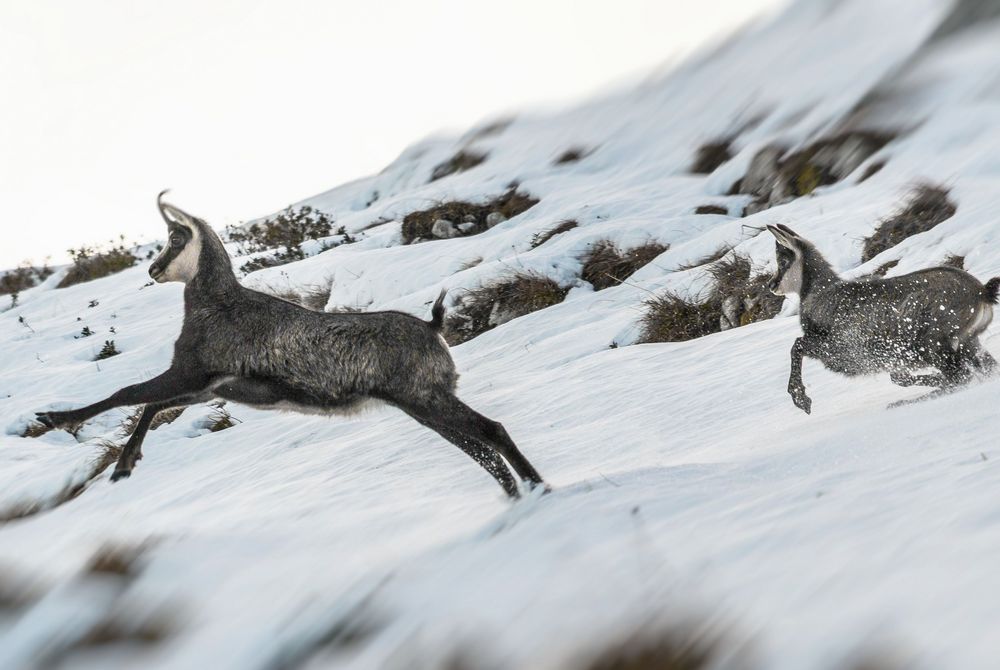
x,y
248,347
925,319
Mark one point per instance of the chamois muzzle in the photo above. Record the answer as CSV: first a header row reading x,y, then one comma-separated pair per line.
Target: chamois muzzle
x,y
772,284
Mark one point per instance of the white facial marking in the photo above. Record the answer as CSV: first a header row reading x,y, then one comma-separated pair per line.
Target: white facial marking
x,y
791,281
184,266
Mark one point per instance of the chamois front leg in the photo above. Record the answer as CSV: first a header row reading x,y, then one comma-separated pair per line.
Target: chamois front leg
x,y
795,386
165,388
132,451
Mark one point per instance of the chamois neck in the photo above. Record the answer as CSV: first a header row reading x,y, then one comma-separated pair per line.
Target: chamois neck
x,y
817,273
215,278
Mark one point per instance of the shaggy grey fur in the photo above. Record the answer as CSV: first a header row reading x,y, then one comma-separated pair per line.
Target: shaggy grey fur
x,y
926,319
252,348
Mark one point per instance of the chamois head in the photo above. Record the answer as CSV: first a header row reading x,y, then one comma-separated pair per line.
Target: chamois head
x,y
801,267
788,251
192,249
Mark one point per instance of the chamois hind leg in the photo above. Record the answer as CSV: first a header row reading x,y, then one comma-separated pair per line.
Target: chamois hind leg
x,y
904,378
956,371
480,452
470,422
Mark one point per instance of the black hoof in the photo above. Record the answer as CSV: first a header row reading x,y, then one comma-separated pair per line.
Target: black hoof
x,y
120,474
44,419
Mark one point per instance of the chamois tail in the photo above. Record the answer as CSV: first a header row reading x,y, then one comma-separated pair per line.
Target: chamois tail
x,y
991,292
437,312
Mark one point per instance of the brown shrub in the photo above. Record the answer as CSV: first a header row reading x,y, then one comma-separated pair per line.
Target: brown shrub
x,y
927,206
605,265
90,263
460,162
418,225
711,209
563,227
500,301
738,297
711,155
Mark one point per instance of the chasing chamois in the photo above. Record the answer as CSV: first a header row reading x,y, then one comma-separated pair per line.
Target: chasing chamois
x,y
926,319
248,347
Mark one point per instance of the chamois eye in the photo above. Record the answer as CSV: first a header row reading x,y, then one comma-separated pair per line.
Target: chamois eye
x,y
176,241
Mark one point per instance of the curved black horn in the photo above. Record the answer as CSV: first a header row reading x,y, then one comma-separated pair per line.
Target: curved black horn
x,y
159,204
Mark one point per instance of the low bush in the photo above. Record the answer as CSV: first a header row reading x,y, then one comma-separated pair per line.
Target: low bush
x,y
460,162
286,231
711,209
107,351
927,206
605,265
22,278
563,227
90,263
500,301
465,218
738,297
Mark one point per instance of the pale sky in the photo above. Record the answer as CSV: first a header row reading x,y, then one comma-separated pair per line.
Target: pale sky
x,y
243,107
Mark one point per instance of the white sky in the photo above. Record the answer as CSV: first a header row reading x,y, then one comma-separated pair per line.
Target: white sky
x,y
243,107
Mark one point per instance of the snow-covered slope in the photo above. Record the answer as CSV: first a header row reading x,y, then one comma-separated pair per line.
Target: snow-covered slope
x,y
687,486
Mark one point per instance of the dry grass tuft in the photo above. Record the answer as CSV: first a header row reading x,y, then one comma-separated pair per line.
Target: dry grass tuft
x,y
220,419
711,209
500,301
927,206
563,227
711,155
117,560
737,298
605,265
571,155
35,429
417,225
871,171
954,261
706,259
460,162
162,418
90,263
672,649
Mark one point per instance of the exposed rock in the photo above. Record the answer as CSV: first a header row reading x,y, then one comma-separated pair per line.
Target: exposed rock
x,y
494,218
443,229
731,308
776,177
468,227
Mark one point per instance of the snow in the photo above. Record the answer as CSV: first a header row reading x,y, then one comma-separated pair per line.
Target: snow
x,y
687,487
